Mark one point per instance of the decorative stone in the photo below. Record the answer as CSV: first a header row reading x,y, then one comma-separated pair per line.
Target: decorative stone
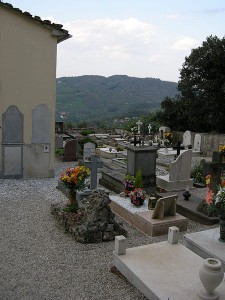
x,y
94,222
173,235
120,245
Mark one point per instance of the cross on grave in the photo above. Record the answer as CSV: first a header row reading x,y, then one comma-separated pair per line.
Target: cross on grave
x,y
135,142
149,128
178,148
139,123
93,163
215,169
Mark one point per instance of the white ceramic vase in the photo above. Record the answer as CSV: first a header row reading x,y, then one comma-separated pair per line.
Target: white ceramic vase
x,y
211,275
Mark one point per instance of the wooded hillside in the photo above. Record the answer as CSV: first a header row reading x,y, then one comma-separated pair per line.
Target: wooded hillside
x,y
96,98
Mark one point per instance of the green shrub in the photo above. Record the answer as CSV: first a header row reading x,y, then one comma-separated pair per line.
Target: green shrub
x,y
87,131
60,151
196,174
119,148
138,179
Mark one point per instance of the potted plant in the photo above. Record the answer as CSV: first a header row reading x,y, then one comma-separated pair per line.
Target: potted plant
x,y
216,204
74,179
128,184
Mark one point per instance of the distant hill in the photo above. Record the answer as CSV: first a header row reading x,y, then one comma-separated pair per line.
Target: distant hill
x,y
96,98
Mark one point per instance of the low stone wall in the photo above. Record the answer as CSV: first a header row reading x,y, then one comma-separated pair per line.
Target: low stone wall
x,y
209,142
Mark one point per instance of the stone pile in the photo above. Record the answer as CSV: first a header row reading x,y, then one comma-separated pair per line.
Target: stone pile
x,y
94,221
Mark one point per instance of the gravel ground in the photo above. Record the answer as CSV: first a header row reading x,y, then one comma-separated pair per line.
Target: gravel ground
x,y
39,261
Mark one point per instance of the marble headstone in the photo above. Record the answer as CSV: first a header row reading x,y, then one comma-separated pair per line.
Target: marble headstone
x,y
187,138
197,142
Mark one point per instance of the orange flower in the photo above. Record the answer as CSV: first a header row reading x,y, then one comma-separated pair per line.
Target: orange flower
x,y
207,180
223,182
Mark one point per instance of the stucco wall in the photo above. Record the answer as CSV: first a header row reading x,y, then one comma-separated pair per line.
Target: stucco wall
x,y
28,78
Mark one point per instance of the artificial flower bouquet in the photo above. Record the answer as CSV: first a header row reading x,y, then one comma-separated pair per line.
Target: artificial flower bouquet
x,y
137,196
216,201
74,177
128,183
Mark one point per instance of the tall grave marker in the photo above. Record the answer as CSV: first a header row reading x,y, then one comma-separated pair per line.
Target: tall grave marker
x,y
143,157
94,163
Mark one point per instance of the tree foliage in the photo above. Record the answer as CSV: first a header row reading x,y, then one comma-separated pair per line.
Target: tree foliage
x,y
201,104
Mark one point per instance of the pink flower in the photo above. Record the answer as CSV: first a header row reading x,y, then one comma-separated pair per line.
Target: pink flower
x,y
209,196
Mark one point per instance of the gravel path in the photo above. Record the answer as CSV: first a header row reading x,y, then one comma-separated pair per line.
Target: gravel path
x,y
39,261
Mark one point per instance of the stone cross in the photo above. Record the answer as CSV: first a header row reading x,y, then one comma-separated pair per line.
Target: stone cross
x,y
94,163
139,123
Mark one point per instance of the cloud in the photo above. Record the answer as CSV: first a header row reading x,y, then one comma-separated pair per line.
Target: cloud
x,y
211,11
112,38
118,46
185,43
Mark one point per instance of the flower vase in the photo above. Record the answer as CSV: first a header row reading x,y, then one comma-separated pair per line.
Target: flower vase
x,y
211,275
72,200
222,231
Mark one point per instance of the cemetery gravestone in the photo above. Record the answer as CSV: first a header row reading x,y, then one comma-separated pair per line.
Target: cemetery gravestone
x,y
187,138
145,159
197,142
165,207
12,143
179,174
70,153
88,151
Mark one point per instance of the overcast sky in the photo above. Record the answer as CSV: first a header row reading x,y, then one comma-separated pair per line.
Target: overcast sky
x,y
140,38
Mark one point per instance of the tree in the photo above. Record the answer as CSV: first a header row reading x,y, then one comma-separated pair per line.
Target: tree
x,y
201,103
202,85
174,113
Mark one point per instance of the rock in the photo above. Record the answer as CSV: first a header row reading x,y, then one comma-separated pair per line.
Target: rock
x,y
94,222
